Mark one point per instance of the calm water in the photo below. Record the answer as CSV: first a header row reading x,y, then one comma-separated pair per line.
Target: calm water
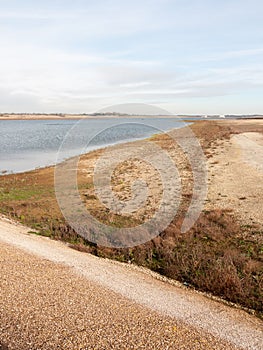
x,y
29,144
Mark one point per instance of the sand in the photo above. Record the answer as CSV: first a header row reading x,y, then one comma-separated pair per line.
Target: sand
x,y
235,176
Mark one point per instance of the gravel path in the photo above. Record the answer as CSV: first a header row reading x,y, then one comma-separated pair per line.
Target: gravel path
x,y
53,297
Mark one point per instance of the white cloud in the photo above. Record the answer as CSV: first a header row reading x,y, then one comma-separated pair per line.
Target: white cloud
x,y
84,55
227,55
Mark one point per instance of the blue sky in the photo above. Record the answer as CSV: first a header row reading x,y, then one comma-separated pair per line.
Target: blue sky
x,y
186,56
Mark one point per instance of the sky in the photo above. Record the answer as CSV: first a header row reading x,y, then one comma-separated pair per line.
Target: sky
x,y
185,56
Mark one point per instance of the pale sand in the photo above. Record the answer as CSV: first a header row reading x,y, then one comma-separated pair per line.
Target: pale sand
x,y
235,175
54,297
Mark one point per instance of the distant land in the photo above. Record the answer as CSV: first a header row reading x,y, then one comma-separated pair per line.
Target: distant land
x,y
33,116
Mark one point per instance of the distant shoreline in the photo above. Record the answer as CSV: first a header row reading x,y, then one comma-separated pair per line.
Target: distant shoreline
x,y
6,116
62,116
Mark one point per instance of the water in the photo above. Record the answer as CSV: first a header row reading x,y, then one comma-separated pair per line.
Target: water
x,y
30,144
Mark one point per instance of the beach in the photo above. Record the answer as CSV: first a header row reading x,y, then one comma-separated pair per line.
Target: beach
x,y
86,299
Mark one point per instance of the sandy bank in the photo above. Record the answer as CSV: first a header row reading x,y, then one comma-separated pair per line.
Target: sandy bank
x,y
236,171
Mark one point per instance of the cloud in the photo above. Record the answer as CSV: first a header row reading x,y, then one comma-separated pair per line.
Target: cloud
x,y
77,57
228,55
36,15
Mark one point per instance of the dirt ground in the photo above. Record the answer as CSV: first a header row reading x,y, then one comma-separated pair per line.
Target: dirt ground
x,y
236,173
